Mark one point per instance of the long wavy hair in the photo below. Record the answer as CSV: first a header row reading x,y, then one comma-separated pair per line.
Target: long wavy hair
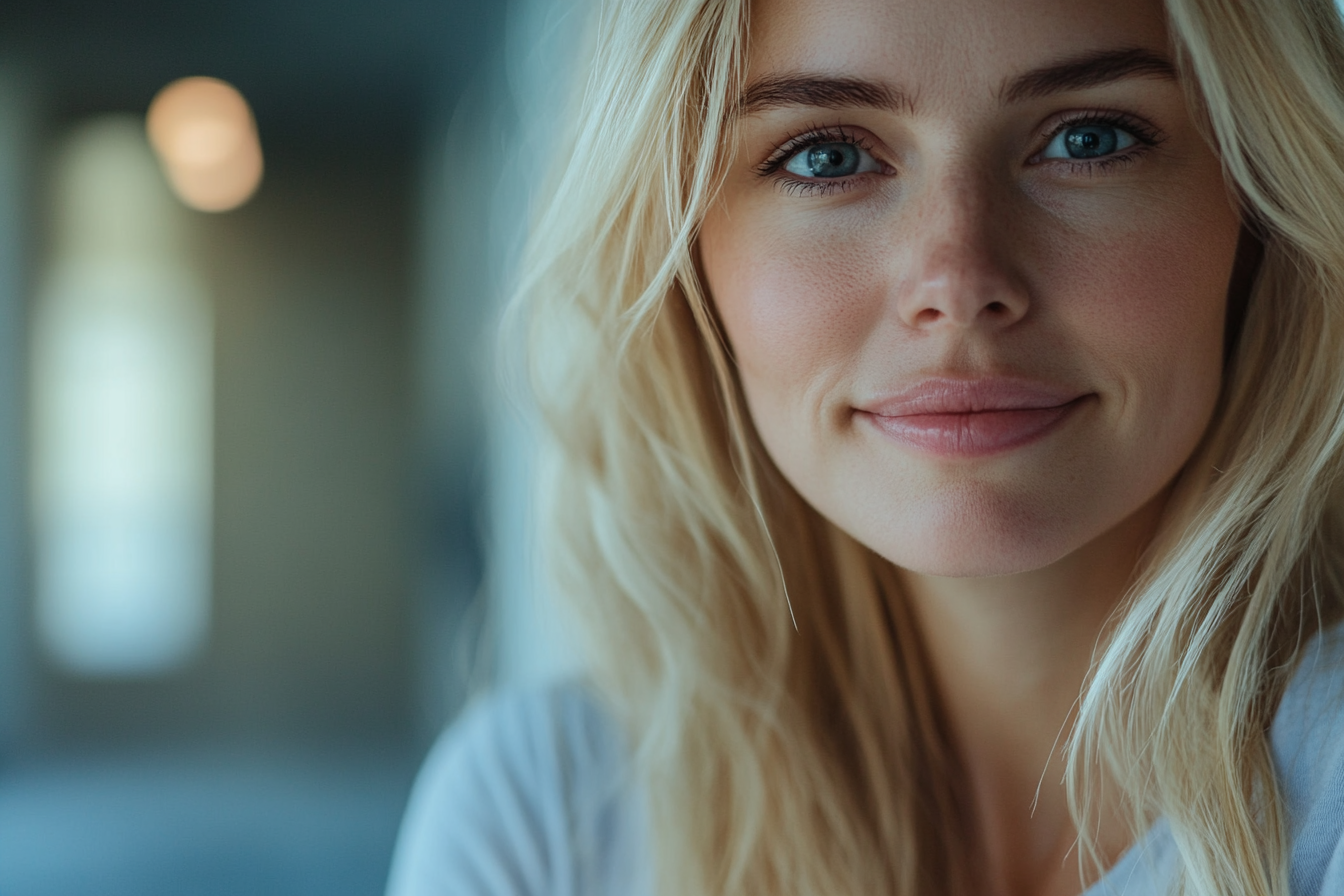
x,y
772,683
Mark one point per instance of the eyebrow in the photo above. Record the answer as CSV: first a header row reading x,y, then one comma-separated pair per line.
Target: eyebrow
x,y
1073,73
822,91
1087,70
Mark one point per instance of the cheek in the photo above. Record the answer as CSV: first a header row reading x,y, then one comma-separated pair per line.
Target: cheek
x,y
797,309
1148,307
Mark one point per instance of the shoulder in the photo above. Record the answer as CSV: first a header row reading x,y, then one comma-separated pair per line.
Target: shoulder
x,y
526,795
1308,747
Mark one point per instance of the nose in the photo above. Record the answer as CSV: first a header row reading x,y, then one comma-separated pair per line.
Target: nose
x,y
957,269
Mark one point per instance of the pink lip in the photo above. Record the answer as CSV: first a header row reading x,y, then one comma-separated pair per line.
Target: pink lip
x,y
971,418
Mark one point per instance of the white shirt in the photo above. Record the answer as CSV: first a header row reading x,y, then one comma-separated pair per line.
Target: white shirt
x,y
527,795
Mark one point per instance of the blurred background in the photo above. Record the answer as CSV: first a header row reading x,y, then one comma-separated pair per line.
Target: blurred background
x,y
263,510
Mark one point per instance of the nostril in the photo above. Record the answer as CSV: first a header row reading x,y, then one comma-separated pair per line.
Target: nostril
x,y
996,308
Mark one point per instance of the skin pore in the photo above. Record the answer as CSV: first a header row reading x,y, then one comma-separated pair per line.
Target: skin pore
x,y
972,258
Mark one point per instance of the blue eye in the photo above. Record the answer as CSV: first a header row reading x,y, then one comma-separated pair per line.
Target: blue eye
x,y
1091,141
829,160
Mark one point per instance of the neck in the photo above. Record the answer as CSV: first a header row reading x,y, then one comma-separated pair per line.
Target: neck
x,y
1009,656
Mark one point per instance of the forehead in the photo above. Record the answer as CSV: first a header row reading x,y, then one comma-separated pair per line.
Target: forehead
x,y
928,47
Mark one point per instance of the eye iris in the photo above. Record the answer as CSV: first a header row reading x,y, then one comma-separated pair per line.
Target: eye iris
x,y
833,160
1090,142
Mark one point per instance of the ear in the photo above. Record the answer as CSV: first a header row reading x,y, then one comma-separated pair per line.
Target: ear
x,y
1245,267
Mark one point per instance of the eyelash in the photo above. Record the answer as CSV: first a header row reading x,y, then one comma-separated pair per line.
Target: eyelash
x,y
1146,136
795,143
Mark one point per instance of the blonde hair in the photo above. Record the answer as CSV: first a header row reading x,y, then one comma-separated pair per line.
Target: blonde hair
x,y
813,760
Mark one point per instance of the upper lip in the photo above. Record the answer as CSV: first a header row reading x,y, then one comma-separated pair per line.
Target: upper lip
x,y
945,395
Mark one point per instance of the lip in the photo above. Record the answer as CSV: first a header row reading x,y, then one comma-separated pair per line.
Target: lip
x,y
972,418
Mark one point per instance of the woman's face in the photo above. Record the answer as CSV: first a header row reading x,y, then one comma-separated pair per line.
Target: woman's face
x,y
972,257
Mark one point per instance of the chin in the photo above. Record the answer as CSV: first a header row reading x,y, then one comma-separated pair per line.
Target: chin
x,y
998,561
979,539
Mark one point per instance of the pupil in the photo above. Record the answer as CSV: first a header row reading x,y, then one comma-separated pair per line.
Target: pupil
x,y
1088,143
833,160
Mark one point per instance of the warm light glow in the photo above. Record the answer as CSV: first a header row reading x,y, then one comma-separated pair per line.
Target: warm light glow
x,y
207,142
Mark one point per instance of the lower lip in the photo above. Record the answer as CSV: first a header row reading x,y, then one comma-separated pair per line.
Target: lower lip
x,y
976,434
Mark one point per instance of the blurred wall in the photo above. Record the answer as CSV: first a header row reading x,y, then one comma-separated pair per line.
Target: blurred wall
x,y
544,40
309,630
353,300
313,445
16,167
489,620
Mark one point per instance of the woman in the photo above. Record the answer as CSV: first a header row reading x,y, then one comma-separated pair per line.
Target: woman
x,y
946,399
